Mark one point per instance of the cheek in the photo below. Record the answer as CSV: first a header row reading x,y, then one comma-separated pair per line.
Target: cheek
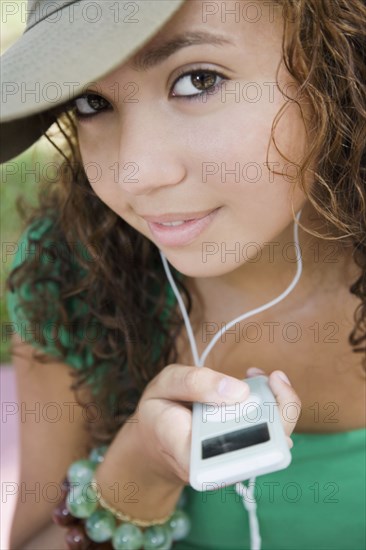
x,y
235,164
238,161
101,167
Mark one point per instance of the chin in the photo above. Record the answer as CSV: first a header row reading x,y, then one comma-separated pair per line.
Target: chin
x,y
195,266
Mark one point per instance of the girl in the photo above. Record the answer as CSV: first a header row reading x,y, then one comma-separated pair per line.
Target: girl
x,y
234,116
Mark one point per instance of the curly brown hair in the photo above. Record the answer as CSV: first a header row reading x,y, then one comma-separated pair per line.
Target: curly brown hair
x,y
324,49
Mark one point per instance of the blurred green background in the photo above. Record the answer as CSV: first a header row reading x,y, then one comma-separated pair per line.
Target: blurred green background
x,y
16,178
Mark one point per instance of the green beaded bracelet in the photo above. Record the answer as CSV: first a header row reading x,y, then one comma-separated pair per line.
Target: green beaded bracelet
x,y
100,523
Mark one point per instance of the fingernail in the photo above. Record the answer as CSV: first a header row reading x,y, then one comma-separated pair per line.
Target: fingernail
x,y
230,387
254,370
283,377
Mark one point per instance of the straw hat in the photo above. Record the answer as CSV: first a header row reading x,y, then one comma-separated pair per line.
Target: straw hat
x,y
67,45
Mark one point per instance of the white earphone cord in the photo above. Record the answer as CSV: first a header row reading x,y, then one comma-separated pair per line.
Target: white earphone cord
x,y
246,492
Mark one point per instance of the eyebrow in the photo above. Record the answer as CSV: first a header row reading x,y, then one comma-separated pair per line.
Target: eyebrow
x,y
146,60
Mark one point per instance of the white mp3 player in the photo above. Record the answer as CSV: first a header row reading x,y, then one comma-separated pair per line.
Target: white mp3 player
x,y
232,443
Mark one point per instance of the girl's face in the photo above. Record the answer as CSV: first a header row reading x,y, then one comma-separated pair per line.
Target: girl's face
x,y
188,135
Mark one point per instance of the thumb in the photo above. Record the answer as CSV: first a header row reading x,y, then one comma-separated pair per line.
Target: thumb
x,y
289,402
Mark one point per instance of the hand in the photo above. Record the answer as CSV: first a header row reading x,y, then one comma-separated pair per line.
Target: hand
x,y
163,420
284,394
161,430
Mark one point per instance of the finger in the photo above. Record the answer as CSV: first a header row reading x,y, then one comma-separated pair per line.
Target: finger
x,y
184,383
288,401
171,425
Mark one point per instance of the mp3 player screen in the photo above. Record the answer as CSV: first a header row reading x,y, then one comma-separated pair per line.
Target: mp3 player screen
x,y
234,441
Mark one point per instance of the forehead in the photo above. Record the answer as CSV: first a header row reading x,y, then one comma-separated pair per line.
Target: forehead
x,y
241,23
246,30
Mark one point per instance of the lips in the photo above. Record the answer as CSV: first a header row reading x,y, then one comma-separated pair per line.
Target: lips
x,y
183,233
177,217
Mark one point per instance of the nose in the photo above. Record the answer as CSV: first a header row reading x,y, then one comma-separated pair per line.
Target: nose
x,y
149,153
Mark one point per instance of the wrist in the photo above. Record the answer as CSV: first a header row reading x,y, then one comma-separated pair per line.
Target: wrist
x,y
88,520
130,484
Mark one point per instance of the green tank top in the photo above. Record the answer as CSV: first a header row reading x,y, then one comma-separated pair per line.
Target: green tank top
x,y
317,503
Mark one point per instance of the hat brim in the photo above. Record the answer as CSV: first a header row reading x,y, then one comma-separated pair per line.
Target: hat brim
x,y
54,61
18,135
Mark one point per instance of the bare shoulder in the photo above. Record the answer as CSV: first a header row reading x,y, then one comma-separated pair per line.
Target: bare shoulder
x,y
52,435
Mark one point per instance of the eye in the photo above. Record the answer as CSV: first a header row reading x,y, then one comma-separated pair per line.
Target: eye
x,y
203,80
88,105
